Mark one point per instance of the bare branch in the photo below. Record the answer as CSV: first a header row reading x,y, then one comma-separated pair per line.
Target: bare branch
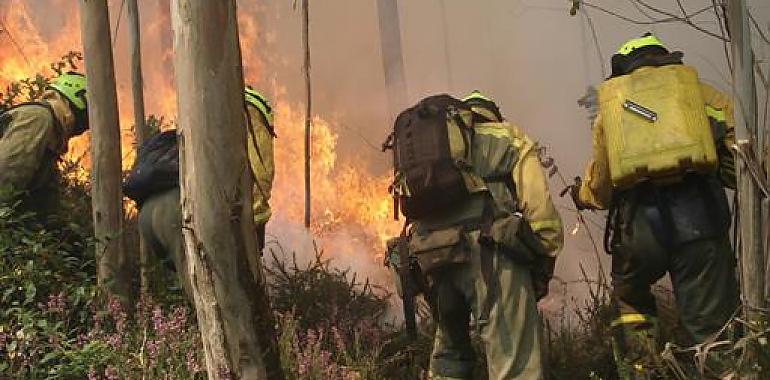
x,y
761,32
687,18
684,11
117,22
596,41
721,20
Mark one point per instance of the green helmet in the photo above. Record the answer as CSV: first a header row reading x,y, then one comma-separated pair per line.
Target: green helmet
x,y
484,109
646,50
476,95
73,86
257,100
637,43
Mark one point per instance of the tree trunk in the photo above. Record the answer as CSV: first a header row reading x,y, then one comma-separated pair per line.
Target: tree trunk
x,y
308,104
392,57
752,260
141,134
220,240
105,147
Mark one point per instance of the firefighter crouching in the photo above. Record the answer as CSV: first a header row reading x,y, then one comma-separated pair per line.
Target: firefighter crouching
x,y
660,162
481,236
33,137
154,184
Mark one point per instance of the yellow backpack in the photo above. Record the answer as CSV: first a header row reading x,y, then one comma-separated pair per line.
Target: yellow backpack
x,y
655,125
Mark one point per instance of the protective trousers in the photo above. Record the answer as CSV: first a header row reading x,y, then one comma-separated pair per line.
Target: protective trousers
x,y
511,333
160,229
662,232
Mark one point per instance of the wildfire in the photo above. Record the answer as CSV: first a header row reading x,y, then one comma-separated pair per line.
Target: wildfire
x,y
343,195
352,211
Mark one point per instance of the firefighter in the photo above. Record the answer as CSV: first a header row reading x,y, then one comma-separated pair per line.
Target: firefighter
x,y
677,224
260,150
33,137
160,214
476,274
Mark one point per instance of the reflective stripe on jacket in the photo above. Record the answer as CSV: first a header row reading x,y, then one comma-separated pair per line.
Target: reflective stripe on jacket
x,y
260,150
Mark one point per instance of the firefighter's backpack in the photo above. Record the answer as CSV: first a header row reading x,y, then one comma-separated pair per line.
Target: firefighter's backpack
x,y
156,168
655,126
432,154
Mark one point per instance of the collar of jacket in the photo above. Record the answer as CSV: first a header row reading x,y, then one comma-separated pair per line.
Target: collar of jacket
x,y
63,114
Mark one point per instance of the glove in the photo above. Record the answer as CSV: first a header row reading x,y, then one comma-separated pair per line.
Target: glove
x,y
542,272
574,192
261,237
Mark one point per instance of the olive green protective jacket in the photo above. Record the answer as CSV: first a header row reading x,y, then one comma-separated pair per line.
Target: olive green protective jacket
x,y
260,150
32,141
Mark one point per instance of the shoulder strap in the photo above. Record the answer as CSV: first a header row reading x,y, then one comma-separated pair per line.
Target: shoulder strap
x,y
5,118
253,137
263,113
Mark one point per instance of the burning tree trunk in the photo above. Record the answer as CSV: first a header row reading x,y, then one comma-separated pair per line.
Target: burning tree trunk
x,y
228,287
105,146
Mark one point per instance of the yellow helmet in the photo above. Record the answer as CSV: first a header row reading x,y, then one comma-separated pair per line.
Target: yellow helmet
x,y
637,43
257,100
73,86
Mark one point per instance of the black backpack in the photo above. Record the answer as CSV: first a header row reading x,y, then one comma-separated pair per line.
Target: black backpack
x,y
432,156
156,168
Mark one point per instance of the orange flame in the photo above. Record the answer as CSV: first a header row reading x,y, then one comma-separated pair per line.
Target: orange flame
x,y
346,199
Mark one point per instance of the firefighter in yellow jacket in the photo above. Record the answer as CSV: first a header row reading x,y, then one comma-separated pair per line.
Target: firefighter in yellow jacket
x,y
483,280
260,150
678,225
33,136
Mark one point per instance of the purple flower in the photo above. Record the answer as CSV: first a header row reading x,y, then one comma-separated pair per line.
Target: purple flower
x,y
224,373
176,321
158,322
57,304
192,363
115,310
152,347
92,374
115,340
110,373
82,339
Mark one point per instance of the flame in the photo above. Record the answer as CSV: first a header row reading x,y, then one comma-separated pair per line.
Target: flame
x,y
343,195
351,208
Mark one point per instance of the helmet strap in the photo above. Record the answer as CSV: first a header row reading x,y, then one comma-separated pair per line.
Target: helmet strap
x,y
81,120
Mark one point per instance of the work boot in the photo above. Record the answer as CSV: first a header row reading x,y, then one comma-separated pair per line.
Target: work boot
x,y
635,346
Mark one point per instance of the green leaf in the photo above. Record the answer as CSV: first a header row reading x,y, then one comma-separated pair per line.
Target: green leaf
x,y
7,293
29,292
48,357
